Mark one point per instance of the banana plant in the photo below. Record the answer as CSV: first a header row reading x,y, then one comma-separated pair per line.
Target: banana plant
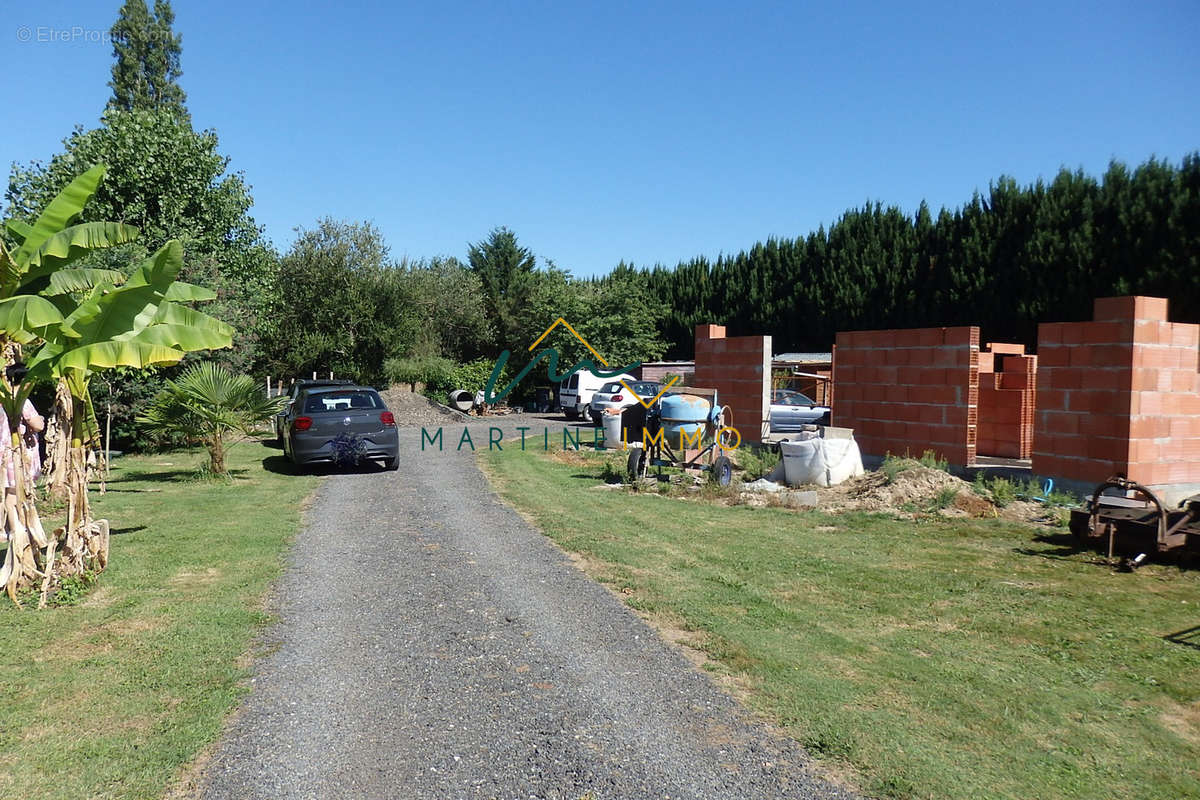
x,y
74,323
52,243
138,324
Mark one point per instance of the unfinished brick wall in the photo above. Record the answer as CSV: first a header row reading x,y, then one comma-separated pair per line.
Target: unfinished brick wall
x,y
908,391
739,368
1007,387
1119,396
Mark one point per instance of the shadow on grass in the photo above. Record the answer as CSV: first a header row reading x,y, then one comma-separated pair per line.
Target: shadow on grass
x,y
125,530
281,465
1188,637
163,476
1066,546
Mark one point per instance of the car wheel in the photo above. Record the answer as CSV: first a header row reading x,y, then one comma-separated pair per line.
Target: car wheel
x,y
391,463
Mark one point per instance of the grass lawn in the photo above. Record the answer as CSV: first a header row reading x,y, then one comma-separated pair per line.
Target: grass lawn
x,y
111,697
937,658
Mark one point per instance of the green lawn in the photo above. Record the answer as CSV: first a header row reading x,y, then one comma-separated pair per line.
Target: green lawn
x,y
935,659
112,697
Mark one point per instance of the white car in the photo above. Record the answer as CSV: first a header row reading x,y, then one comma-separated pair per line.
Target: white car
x,y
575,393
614,395
791,411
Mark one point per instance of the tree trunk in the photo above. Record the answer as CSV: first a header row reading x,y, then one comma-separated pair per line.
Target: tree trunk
x,y
58,443
216,455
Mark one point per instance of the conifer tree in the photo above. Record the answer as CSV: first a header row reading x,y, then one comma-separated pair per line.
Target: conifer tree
x,y
146,52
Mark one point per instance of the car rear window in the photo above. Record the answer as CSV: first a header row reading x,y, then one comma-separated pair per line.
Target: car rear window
x,y
341,401
645,389
611,388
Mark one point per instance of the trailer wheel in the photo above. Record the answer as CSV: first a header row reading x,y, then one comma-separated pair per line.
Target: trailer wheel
x,y
722,471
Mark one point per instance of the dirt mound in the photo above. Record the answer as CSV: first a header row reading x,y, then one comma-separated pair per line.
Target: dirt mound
x,y
912,490
915,486
412,409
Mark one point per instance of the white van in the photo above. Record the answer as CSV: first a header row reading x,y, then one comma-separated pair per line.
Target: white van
x,y
575,393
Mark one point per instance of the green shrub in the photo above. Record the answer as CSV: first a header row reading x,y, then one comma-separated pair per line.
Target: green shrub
x,y
1001,491
429,370
472,377
894,465
755,462
930,459
943,499
614,470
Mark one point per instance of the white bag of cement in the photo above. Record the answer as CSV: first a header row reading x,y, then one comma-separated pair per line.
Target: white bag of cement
x,y
824,462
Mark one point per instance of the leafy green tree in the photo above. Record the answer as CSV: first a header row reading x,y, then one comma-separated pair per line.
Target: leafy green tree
x,y
341,306
209,404
447,304
506,273
1005,260
171,182
146,51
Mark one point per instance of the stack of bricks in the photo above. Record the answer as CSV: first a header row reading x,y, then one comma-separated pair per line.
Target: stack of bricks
x,y
739,368
1119,396
908,391
1006,401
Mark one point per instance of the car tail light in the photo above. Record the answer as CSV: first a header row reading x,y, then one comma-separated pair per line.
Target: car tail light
x,y
302,423
617,398
387,419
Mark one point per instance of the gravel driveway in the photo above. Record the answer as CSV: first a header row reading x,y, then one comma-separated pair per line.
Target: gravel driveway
x,y
432,644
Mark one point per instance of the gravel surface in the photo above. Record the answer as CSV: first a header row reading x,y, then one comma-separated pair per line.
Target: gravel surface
x,y
431,644
411,408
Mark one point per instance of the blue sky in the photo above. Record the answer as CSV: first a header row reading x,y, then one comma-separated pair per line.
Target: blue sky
x,y
650,132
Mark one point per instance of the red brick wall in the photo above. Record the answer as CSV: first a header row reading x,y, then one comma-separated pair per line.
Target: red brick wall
x,y
1119,396
1006,401
739,368
908,391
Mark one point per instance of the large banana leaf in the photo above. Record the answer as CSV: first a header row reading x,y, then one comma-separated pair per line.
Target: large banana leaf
x,y
24,318
107,315
107,355
68,281
58,215
160,269
181,292
182,315
18,230
10,273
182,337
71,244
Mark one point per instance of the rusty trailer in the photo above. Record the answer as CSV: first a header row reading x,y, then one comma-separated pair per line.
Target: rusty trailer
x,y
1133,524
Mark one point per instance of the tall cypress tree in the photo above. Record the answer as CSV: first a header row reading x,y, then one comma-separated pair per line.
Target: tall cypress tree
x,y
146,59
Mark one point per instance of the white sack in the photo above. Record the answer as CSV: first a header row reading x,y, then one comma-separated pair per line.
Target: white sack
x,y
824,462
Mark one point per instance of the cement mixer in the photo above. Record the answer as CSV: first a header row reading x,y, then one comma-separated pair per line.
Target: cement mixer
x,y
685,429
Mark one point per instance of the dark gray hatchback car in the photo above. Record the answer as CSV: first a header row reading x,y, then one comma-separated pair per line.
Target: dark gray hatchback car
x,y
335,424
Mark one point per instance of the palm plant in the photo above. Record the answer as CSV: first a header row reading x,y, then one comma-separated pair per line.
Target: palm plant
x,y
207,404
